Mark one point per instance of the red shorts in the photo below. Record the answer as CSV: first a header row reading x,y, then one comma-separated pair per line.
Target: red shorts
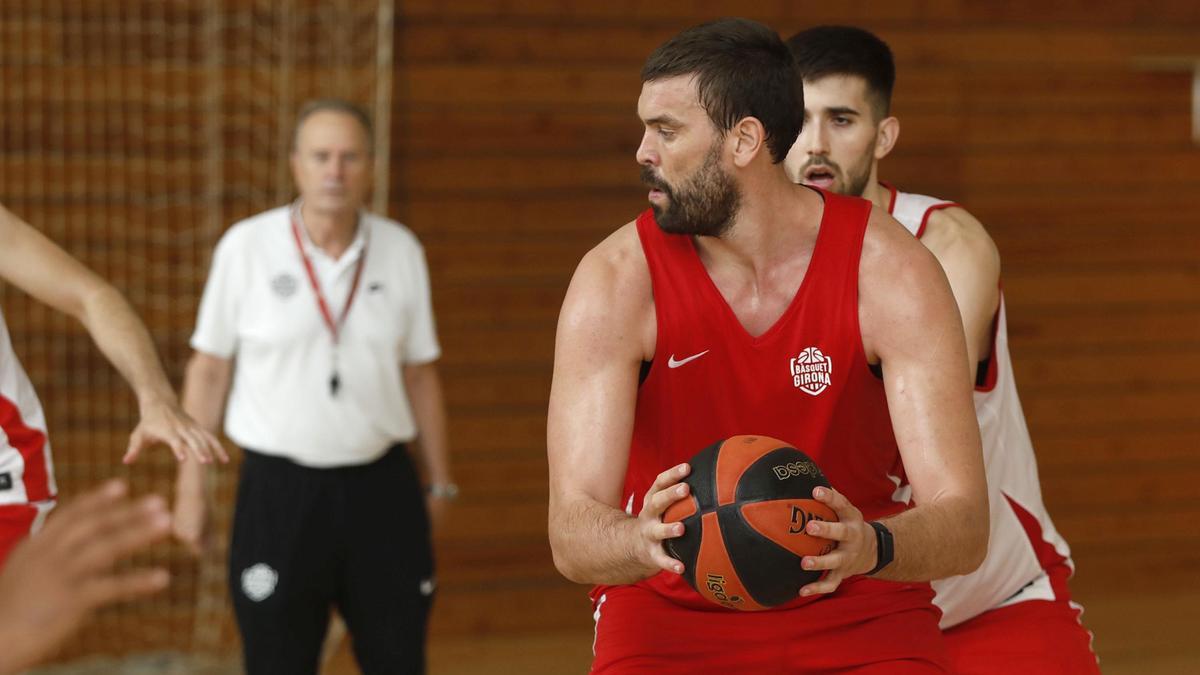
x,y
16,522
1035,637
638,631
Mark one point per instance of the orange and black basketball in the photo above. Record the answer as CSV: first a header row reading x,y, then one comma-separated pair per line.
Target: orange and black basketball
x,y
743,539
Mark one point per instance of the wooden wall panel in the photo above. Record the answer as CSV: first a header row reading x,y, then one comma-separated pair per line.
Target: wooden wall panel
x,y
514,133
516,129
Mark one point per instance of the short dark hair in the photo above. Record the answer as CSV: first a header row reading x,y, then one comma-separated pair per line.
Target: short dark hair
x,y
343,106
742,69
846,50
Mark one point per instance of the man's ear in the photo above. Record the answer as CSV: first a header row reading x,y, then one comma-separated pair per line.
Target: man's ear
x,y
747,139
886,136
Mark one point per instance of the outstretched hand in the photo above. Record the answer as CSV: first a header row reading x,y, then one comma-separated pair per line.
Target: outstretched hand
x,y
167,423
57,577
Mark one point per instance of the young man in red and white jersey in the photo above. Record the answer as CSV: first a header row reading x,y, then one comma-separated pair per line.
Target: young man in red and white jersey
x,y
33,263
1014,613
681,328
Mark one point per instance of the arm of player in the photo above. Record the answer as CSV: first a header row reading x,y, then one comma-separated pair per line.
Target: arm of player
x,y
972,265
909,321
206,383
39,267
424,387
605,330
55,579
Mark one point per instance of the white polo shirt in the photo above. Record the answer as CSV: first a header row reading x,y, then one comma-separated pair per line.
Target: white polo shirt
x,y
259,308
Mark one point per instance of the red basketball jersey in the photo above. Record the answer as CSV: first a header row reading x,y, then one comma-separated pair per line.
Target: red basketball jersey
x,y
805,380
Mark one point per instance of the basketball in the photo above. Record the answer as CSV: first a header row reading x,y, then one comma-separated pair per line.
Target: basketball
x,y
751,497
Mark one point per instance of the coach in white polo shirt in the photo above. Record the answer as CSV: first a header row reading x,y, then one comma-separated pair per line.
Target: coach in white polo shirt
x,y
316,321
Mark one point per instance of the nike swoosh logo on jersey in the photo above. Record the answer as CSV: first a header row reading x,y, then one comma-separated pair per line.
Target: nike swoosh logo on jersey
x,y
672,363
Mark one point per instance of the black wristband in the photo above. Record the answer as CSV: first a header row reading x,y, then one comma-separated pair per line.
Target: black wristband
x,y
884,549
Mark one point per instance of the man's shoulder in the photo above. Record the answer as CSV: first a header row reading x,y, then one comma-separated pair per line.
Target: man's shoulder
x,y
249,233
955,219
247,230
618,257
264,220
610,295
955,229
391,233
923,213
891,255
613,271
887,233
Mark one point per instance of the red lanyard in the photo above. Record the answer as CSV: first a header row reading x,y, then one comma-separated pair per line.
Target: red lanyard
x,y
333,326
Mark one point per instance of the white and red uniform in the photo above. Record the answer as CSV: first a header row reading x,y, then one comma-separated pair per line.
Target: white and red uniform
x,y
709,380
1028,560
27,488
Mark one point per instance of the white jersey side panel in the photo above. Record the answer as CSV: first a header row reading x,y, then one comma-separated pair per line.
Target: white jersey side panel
x,y
1024,542
26,470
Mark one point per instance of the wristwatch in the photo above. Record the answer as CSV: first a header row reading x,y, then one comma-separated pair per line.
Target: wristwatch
x,y
447,491
884,547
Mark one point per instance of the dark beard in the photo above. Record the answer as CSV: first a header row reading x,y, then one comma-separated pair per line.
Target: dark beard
x,y
857,185
704,206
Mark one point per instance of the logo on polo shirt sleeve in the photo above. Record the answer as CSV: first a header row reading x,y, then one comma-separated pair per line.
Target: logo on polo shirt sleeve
x,y
810,371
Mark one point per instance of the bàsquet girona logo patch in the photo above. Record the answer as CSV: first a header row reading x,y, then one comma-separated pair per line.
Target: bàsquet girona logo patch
x,y
811,371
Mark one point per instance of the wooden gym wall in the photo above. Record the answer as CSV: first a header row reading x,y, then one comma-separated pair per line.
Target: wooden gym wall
x,y
513,139
515,133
